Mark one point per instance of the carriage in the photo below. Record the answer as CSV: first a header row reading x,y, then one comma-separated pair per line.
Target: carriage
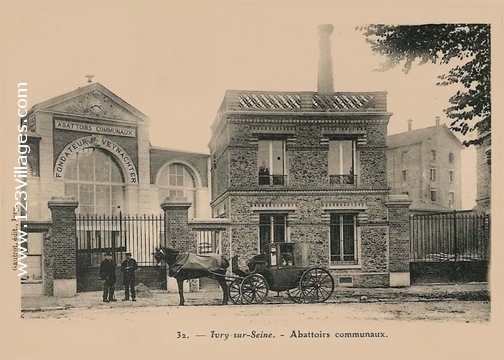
x,y
283,267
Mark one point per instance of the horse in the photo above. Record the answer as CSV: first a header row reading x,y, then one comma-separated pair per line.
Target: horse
x,y
185,266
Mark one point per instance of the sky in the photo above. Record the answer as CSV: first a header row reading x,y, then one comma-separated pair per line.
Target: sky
x,y
174,61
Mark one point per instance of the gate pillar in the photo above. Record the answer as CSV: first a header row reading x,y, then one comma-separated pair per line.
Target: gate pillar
x,y
177,231
178,235
399,240
60,254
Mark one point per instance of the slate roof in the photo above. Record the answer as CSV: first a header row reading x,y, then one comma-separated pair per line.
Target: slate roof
x,y
418,136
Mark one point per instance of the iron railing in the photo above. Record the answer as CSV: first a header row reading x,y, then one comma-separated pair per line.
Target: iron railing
x,y
118,233
344,179
453,236
272,179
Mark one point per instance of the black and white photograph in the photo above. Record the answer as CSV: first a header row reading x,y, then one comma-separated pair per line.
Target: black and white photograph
x,y
251,179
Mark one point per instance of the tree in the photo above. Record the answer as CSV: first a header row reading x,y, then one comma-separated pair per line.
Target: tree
x,y
467,46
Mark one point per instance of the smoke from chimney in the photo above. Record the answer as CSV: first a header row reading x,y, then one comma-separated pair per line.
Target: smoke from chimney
x,y
325,70
410,124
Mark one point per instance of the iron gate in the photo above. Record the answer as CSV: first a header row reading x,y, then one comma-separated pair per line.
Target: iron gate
x,y
449,247
118,234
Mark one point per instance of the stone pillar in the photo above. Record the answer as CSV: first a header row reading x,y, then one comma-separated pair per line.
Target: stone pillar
x,y
177,231
63,246
399,240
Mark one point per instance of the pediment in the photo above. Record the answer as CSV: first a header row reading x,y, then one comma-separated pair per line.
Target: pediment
x,y
93,101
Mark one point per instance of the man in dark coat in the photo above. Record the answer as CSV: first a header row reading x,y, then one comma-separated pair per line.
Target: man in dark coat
x,y
108,275
128,267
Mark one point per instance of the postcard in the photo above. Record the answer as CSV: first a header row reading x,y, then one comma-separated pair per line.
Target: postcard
x,y
251,179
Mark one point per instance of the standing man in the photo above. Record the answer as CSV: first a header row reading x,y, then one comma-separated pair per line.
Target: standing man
x,y
108,275
128,267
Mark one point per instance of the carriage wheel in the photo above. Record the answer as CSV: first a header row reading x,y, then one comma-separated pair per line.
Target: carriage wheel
x,y
254,289
296,295
316,285
234,292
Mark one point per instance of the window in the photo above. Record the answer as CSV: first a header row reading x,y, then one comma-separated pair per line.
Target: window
x,y
433,174
272,228
176,180
451,200
450,158
405,193
433,195
271,162
343,239
96,181
341,159
405,175
450,176
433,155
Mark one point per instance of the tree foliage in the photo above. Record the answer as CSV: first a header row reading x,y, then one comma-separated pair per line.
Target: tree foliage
x,y
466,46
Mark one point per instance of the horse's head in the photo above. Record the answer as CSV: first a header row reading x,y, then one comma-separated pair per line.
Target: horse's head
x,y
165,253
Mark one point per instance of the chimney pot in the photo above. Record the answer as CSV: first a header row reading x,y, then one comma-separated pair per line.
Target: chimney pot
x,y
437,120
325,70
410,124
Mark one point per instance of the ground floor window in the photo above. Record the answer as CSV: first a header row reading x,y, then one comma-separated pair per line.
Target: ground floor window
x,y
272,228
343,242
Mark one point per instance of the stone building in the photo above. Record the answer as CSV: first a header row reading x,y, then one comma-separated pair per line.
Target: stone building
x,y
483,170
425,164
311,167
92,145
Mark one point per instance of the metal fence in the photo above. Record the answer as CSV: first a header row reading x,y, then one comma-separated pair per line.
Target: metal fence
x,y
454,236
118,233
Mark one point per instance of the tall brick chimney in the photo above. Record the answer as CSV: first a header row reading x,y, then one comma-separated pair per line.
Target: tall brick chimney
x,y
410,124
437,120
325,70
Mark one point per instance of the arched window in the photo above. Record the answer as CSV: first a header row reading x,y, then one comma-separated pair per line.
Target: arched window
x,y
450,158
177,180
95,179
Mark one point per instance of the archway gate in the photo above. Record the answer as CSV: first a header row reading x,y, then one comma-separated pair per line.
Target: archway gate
x,y
118,234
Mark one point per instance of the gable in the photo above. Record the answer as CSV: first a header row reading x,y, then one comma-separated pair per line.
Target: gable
x,y
93,101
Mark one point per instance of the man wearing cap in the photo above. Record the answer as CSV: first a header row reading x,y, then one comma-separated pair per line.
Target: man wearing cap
x,y
108,275
128,267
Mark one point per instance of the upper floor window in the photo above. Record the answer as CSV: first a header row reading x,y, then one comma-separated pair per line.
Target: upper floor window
x,y
343,244
177,181
271,162
405,175
341,159
432,155
450,176
433,195
272,228
433,174
451,158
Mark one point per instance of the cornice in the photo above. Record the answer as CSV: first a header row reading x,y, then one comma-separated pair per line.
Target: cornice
x,y
301,192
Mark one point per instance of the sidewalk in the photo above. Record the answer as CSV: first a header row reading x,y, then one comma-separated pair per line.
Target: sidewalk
x,y
93,300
